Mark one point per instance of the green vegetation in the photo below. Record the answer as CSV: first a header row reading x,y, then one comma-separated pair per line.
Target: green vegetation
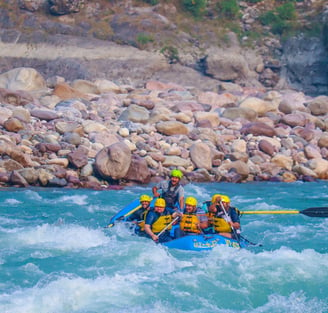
x,y
195,7
143,38
171,54
152,2
281,20
228,9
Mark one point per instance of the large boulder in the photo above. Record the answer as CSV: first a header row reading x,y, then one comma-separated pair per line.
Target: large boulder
x,y
319,105
226,65
113,162
22,78
200,154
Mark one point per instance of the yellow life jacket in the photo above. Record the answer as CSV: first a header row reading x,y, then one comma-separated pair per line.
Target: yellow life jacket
x,y
221,225
161,223
189,223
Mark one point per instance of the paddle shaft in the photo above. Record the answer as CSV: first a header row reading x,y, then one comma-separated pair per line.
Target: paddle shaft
x,y
167,226
125,215
312,212
229,219
270,212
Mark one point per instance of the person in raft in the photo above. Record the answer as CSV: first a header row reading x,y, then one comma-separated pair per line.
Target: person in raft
x,y
158,219
224,218
172,191
139,216
193,220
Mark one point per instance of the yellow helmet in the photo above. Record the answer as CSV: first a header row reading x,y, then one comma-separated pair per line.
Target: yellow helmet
x,y
145,198
214,197
225,198
160,202
191,201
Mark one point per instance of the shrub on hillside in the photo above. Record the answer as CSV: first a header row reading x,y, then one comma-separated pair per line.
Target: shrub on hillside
x,y
195,7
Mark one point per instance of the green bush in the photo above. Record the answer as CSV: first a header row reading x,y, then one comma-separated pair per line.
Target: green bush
x,y
143,38
171,54
152,2
268,18
195,7
280,27
228,9
286,11
282,19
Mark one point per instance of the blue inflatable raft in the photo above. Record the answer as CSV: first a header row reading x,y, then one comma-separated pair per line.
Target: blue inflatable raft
x,y
195,242
204,242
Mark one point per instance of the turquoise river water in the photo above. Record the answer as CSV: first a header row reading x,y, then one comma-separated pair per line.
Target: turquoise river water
x,y
57,256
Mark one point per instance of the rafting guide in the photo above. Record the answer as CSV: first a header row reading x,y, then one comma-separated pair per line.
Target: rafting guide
x,y
171,191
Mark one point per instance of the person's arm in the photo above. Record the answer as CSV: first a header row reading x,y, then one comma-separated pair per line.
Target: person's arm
x,y
155,191
150,233
235,221
181,197
212,208
203,220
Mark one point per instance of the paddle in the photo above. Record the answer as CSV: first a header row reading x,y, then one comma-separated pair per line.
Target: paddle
x,y
229,219
312,212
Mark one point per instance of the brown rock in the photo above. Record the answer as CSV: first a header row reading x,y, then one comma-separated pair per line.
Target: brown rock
x,y
294,119
319,105
156,85
15,154
17,98
312,152
138,170
305,133
187,106
323,141
79,157
113,162
245,113
288,177
10,165
258,129
43,114
47,147
29,174
64,92
266,147
17,179
172,128
200,155
13,125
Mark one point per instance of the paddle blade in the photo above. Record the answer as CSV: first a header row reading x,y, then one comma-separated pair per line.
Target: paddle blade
x,y
316,212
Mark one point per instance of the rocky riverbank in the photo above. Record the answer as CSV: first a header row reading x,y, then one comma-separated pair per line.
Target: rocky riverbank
x,y
97,134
